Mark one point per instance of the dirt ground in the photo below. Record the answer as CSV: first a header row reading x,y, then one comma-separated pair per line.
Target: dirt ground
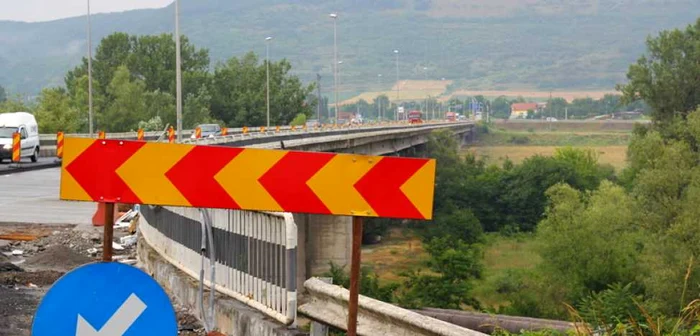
x,y
28,273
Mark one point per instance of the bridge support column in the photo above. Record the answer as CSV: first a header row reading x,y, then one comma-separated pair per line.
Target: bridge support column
x,y
322,240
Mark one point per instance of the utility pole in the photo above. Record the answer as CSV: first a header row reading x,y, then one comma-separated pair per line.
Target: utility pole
x,y
398,83
566,113
267,63
320,101
178,72
89,45
334,16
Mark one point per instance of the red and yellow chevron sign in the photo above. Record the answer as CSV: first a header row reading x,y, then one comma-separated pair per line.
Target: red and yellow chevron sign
x,y
247,178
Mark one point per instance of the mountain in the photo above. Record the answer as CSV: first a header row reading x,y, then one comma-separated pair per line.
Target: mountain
x,y
480,44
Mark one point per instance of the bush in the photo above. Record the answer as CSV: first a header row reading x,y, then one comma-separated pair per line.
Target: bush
x,y
519,140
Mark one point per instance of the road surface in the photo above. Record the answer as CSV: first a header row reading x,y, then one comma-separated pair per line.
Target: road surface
x,y
32,197
7,167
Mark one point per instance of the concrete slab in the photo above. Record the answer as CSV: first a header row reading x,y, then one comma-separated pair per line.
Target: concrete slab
x,y
32,197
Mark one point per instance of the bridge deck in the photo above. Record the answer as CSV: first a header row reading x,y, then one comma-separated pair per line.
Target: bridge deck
x,y
32,197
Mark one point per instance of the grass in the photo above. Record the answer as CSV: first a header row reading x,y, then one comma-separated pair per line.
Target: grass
x,y
501,255
403,251
589,139
613,155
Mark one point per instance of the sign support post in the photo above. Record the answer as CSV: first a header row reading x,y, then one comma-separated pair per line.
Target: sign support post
x,y
108,233
356,259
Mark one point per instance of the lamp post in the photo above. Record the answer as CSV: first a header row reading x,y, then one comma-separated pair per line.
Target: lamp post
x,y
379,100
267,61
334,16
89,46
178,73
398,84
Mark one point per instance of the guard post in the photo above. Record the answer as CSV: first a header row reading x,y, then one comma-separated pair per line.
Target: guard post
x,y
16,147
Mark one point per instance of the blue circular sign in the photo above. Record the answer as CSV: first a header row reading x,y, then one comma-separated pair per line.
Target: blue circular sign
x,y
105,299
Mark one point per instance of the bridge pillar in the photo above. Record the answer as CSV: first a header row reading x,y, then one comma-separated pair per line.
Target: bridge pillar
x,y
321,240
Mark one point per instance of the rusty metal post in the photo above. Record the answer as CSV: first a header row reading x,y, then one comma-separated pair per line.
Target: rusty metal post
x,y
108,232
355,274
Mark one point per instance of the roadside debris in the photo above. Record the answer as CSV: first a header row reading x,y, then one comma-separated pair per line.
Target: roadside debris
x,y
17,252
18,236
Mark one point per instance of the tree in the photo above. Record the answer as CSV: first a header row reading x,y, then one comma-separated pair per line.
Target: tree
x,y
14,104
501,107
668,76
3,94
55,113
453,265
128,106
575,217
238,93
197,108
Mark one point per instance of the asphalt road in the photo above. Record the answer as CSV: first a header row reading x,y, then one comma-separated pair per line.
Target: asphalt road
x,y
26,165
32,197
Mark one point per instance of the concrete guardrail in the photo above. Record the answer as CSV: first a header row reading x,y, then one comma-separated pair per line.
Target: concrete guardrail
x,y
328,304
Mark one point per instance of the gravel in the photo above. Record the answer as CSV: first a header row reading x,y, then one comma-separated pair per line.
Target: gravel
x,y
26,278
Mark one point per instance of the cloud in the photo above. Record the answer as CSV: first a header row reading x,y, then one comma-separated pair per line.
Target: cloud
x,y
46,10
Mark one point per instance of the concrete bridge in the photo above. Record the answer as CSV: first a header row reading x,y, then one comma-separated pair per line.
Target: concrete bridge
x,y
261,263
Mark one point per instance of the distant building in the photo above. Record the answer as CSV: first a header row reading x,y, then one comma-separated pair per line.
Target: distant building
x,y
519,110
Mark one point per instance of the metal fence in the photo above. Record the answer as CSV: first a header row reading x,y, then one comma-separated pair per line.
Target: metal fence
x,y
255,253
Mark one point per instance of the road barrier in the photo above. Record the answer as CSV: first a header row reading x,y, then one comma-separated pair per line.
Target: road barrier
x,y
255,253
59,145
328,304
140,135
16,147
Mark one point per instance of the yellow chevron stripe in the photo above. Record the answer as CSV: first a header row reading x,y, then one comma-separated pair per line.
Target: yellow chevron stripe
x,y
70,189
419,189
334,184
147,179
240,178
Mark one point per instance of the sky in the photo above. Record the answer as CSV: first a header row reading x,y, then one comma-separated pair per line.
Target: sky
x,y
46,10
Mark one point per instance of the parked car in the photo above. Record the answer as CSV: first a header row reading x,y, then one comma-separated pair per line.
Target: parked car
x,y
26,125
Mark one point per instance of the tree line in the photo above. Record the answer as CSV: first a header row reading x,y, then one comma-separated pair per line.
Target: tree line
x,y
134,86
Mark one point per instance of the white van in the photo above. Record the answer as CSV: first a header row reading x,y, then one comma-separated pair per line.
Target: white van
x,y
26,125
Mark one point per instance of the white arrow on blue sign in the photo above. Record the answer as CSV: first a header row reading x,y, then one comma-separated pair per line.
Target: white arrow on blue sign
x,y
105,299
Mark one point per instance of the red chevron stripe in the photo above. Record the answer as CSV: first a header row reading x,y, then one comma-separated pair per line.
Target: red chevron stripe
x,y
381,187
194,175
286,181
95,170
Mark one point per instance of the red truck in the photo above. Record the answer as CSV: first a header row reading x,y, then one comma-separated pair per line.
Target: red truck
x,y
415,117
451,116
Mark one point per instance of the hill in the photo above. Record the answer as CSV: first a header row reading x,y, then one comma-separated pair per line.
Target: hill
x,y
479,45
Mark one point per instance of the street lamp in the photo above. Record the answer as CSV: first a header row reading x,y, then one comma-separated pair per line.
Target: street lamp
x,y
334,16
89,46
379,100
267,61
398,84
178,72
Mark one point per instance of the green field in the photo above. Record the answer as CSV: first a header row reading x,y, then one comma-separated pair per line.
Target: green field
x,y
401,252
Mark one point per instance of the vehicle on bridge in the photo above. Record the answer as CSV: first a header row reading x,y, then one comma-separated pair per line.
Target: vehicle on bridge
x,y
415,117
208,130
313,123
451,116
26,125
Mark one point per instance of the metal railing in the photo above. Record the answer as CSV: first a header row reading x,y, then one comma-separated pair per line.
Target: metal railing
x,y
255,253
